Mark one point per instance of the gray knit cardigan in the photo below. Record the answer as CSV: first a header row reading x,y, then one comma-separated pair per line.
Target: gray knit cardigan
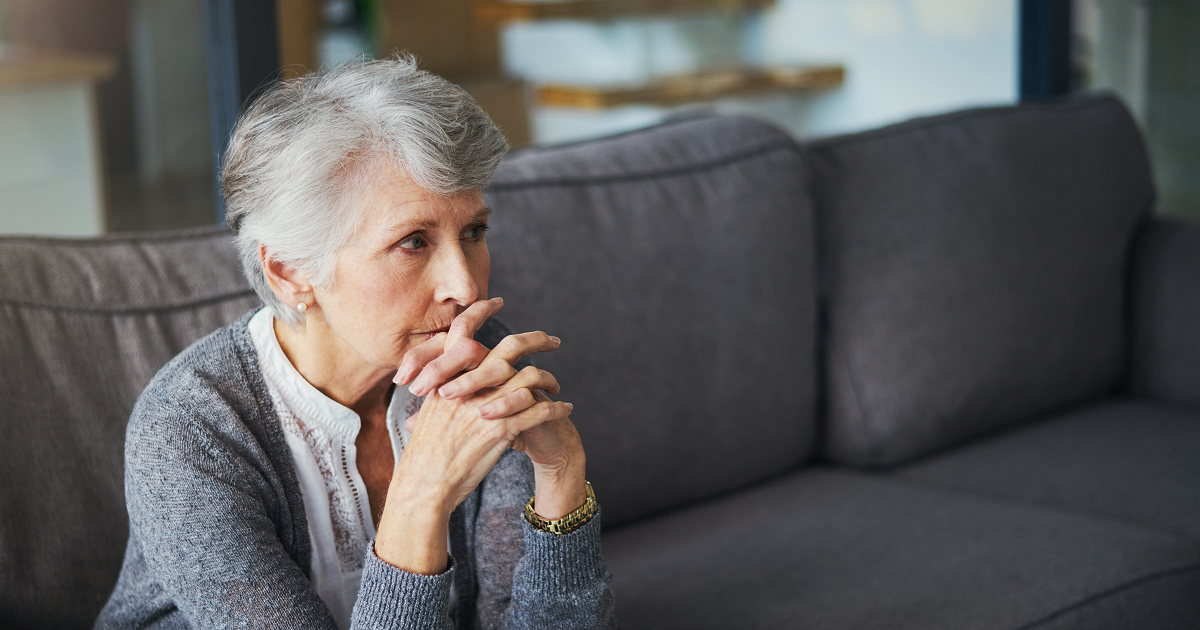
x,y
218,536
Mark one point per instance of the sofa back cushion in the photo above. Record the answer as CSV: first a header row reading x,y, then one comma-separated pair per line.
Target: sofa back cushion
x,y
84,325
677,265
972,270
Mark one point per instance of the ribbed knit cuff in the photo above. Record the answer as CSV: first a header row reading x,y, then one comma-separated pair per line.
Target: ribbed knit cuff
x,y
565,563
389,597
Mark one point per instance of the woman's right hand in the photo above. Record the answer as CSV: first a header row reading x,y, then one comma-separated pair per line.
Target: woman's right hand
x,y
453,447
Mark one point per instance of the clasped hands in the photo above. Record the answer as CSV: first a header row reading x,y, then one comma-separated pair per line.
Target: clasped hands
x,y
476,406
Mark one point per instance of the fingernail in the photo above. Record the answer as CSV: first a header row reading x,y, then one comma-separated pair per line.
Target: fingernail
x,y
486,410
556,340
569,406
402,377
448,391
497,300
418,386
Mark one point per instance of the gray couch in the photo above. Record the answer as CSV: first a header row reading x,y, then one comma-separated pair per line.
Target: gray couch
x,y
944,374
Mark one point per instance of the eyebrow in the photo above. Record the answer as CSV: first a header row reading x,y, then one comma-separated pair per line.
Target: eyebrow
x,y
478,217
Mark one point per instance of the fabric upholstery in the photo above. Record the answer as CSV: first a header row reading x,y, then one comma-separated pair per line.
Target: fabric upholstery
x,y
1135,460
822,549
84,325
1165,349
676,264
973,270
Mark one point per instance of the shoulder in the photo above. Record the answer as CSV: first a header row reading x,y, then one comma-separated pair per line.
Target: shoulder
x,y
201,399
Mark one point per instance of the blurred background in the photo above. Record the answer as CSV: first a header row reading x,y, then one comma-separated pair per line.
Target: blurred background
x,y
113,113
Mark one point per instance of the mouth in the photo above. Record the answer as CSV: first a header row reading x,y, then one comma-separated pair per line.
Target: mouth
x,y
430,333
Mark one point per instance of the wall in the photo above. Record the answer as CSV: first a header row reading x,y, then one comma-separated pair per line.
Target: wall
x,y
904,58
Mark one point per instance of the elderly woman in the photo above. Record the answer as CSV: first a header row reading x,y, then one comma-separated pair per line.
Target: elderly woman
x,y
362,451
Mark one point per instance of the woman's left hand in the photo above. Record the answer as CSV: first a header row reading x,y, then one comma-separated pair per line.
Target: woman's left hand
x,y
457,366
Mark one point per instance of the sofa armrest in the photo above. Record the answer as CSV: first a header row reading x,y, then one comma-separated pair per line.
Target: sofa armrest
x,y
1165,312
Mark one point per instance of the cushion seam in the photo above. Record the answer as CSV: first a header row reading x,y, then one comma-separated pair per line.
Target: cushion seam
x,y
108,240
665,172
1145,579
131,310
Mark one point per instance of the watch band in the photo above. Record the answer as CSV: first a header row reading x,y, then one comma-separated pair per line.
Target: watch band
x,y
568,523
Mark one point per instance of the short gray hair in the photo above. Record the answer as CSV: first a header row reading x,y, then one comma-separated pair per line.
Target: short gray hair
x,y
297,159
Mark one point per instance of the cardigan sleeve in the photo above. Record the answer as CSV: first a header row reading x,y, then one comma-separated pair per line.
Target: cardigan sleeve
x,y
528,578
201,512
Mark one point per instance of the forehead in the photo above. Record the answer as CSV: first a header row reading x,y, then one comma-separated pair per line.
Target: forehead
x,y
389,200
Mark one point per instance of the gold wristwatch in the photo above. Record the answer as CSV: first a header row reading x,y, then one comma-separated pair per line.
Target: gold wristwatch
x,y
568,523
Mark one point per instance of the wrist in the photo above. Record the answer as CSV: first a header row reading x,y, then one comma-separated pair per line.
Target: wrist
x,y
561,489
568,523
412,531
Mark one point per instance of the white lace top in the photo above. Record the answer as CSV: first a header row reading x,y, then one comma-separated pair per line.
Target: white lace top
x,y
320,433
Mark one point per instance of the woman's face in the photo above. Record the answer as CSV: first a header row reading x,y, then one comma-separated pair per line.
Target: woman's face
x,y
416,261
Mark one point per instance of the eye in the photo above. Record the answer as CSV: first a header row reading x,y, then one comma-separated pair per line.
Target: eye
x,y
415,241
475,232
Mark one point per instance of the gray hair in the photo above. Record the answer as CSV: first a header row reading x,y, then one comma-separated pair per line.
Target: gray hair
x,y
297,158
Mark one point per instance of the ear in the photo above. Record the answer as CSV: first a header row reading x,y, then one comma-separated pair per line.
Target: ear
x,y
289,284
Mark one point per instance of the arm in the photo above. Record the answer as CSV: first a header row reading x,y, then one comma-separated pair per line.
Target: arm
x,y
530,579
526,578
205,510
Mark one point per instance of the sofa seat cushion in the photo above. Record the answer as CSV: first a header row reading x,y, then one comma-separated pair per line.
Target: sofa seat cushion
x,y
677,265
832,549
1130,459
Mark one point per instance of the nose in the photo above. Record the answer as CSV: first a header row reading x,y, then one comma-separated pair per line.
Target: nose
x,y
455,283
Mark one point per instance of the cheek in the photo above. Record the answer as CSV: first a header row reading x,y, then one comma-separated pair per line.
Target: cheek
x,y
481,270
383,302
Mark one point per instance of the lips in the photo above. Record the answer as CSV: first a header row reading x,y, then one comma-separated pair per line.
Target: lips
x,y
430,333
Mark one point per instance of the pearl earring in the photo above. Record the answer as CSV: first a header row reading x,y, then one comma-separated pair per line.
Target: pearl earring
x,y
302,307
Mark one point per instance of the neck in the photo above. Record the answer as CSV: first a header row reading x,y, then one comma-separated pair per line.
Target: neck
x,y
335,369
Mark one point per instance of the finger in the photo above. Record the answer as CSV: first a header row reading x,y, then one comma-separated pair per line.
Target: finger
x,y
465,355
515,347
503,406
410,425
538,414
530,380
496,368
468,322
416,359
490,373
533,378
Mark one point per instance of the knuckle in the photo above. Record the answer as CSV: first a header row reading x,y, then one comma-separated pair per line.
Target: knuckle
x,y
478,351
509,345
506,369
